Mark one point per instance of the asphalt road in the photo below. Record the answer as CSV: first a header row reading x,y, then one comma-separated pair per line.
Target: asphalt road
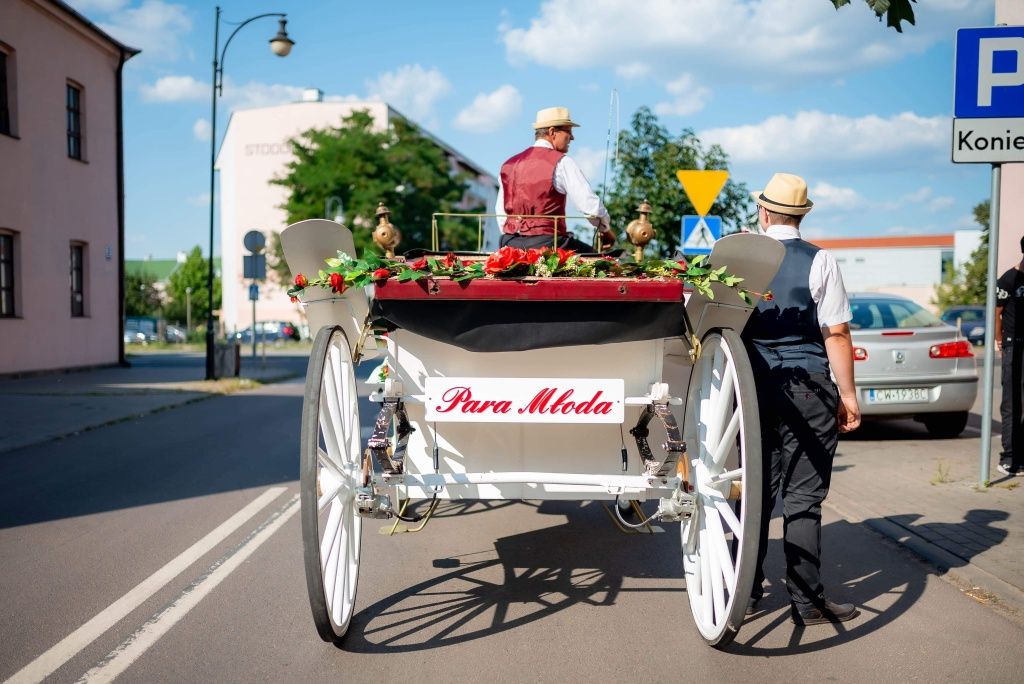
x,y
167,548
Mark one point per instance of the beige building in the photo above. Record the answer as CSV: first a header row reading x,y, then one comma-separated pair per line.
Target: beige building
x,y
1011,199
255,150
61,189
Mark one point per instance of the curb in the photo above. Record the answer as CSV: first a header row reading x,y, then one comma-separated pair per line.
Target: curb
x,y
996,593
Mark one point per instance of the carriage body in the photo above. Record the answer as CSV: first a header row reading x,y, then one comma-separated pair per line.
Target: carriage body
x,y
661,385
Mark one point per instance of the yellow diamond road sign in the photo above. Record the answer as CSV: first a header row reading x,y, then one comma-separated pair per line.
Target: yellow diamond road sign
x,y
702,187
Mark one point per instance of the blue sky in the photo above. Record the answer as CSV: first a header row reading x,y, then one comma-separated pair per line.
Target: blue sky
x,y
783,85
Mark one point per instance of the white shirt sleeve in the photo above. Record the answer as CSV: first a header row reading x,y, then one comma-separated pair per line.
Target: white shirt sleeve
x,y
499,206
570,181
827,290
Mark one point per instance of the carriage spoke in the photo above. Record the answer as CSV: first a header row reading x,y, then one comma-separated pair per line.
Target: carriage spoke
x,y
720,548
727,441
707,608
324,459
330,496
729,517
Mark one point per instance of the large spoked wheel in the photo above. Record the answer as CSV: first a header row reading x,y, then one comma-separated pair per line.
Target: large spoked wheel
x,y
330,472
720,539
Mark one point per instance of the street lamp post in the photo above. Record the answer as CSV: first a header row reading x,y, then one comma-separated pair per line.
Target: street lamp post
x,y
188,311
281,44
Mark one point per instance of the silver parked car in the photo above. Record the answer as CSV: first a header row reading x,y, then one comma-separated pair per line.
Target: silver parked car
x,y
908,363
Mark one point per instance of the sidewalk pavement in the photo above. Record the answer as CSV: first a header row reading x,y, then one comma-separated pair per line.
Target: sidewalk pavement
x,y
922,493
44,407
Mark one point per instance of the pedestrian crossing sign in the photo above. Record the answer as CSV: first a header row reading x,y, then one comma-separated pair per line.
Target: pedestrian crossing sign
x,y
700,233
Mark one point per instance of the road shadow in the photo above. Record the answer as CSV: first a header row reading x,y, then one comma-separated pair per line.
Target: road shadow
x,y
539,573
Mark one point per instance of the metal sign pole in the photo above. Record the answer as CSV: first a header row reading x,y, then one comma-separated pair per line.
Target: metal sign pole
x,y
254,326
990,321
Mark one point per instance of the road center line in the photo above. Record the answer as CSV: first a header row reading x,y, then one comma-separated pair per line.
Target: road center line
x,y
48,663
121,658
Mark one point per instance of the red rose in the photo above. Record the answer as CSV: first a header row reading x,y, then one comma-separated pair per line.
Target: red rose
x,y
420,264
450,261
295,300
682,262
301,280
531,256
502,259
768,296
337,282
563,255
381,274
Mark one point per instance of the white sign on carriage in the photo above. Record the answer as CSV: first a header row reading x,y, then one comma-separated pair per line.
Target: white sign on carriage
x,y
525,400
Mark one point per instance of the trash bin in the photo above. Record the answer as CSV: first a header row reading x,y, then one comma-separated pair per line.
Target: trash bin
x,y
226,360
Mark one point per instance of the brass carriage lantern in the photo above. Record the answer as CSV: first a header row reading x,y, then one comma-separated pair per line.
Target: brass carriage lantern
x,y
640,231
386,235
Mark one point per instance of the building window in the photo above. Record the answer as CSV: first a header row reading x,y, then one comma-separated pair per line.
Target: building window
x,y
77,279
74,110
6,275
5,109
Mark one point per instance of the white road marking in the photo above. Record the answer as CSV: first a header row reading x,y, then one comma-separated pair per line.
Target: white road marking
x,y
71,645
121,658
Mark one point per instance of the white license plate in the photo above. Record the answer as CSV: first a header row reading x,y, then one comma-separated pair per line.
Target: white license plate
x,y
898,395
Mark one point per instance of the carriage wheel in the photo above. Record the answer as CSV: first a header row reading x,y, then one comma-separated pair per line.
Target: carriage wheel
x,y
330,472
720,539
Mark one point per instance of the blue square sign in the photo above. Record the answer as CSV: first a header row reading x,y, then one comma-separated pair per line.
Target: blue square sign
x,y
699,234
988,74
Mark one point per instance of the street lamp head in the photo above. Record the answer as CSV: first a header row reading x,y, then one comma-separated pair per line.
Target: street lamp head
x,y
281,44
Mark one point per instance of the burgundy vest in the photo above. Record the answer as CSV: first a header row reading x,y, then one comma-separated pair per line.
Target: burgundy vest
x,y
528,181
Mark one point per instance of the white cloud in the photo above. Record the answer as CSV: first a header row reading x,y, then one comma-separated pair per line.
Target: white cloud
x,y
257,94
633,70
591,163
831,197
941,203
779,40
201,130
411,89
200,200
97,5
491,111
176,89
155,27
811,137
689,97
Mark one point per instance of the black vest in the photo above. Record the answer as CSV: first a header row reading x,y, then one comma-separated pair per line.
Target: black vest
x,y
784,332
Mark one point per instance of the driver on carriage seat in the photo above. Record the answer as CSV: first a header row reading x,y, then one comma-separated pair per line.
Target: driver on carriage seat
x,y
537,181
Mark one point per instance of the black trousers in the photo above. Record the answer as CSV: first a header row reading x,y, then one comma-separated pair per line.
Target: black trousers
x,y
541,241
799,435
1010,408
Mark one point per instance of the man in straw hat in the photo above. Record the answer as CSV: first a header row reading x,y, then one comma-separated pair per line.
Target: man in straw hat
x,y
793,341
536,183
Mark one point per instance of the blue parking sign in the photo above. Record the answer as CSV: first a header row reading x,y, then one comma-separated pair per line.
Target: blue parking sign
x,y
988,75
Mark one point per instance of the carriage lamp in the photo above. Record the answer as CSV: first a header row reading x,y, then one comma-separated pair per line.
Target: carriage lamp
x,y
640,231
386,235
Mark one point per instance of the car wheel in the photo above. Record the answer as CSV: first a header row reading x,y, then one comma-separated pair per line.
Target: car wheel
x,y
945,425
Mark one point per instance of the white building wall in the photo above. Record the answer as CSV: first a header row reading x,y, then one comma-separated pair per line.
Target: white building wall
x,y
964,244
254,151
911,272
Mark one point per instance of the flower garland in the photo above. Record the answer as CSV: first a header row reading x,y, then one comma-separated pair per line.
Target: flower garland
x,y
344,271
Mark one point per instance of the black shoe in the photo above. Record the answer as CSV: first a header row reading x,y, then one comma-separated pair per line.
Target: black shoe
x,y
1012,471
824,613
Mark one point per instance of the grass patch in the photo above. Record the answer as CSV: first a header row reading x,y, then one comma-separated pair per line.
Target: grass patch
x,y
219,386
941,475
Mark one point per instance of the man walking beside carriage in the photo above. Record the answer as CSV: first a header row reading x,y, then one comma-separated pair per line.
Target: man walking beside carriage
x,y
794,341
536,183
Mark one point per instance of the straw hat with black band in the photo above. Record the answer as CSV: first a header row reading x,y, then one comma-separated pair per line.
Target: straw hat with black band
x,y
553,117
785,193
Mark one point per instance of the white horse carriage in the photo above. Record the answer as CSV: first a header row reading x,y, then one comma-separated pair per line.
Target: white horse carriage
x,y
524,389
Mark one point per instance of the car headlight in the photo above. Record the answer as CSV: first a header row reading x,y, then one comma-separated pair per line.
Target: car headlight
x,y
977,330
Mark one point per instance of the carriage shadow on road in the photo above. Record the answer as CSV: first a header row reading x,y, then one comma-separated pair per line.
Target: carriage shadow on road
x,y
484,595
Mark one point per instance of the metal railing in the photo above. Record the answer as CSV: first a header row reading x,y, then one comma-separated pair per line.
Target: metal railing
x,y
434,231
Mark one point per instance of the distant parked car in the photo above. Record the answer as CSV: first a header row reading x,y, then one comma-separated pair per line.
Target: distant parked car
x,y
907,362
273,332
972,321
175,334
140,330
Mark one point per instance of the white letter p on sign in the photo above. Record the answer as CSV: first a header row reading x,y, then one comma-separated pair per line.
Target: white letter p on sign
x,y
987,79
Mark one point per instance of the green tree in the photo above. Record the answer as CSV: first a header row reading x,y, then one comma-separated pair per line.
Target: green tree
x,y
894,11
191,274
649,157
968,284
141,298
401,167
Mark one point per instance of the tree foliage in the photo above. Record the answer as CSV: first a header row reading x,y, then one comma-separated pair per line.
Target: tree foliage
x,y
192,273
968,284
649,157
141,298
894,11
401,167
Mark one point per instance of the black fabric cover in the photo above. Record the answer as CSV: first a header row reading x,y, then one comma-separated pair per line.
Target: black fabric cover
x,y
496,326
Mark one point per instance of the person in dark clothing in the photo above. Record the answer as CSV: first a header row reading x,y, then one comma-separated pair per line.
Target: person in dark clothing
x,y
1010,340
794,340
535,185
